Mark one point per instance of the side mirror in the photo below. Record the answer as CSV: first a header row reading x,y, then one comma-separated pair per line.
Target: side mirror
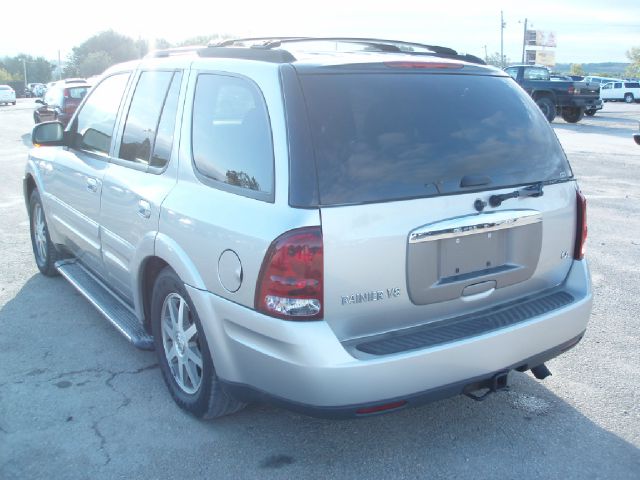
x,y
636,137
40,101
48,134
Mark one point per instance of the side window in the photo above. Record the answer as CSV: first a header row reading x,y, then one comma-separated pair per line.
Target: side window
x,y
94,124
632,85
231,134
617,85
513,72
607,86
143,117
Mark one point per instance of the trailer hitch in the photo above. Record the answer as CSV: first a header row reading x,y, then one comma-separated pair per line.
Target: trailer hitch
x,y
491,385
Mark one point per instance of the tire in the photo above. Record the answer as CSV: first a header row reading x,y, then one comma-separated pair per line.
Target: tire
x,y
548,108
44,251
180,345
628,98
590,113
572,114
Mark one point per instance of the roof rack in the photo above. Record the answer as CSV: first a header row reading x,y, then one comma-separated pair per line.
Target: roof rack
x,y
267,49
381,45
170,52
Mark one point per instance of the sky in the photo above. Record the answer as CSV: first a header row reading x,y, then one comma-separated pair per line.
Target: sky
x,y
586,30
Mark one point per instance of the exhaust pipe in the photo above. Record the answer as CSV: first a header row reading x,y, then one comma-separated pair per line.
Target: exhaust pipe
x,y
541,371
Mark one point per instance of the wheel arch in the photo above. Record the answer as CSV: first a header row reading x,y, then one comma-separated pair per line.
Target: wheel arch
x,y
28,186
167,253
537,94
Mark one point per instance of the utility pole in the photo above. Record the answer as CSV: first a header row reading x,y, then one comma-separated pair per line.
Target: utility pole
x,y
59,67
24,68
486,55
502,25
524,39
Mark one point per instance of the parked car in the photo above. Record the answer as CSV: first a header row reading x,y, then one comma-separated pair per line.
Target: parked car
x,y
628,92
592,80
60,102
35,90
7,95
571,99
294,226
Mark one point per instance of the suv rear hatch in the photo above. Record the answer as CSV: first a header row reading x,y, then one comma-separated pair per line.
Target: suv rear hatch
x,y
406,163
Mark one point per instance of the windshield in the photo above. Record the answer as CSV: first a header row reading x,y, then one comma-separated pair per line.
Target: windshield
x,y
396,136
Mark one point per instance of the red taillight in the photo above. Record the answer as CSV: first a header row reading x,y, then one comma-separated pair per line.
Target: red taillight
x,y
571,89
291,283
581,226
454,66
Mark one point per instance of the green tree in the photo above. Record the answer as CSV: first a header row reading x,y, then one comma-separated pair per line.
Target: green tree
x,y
5,76
576,69
38,68
94,64
94,52
494,59
633,70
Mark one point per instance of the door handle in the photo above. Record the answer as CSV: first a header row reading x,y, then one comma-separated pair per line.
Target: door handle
x,y
92,184
144,208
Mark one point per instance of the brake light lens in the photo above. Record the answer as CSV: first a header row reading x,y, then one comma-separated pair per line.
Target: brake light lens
x,y
571,89
581,226
291,283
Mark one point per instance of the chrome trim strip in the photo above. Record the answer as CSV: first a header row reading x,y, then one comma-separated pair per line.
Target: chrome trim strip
x,y
475,223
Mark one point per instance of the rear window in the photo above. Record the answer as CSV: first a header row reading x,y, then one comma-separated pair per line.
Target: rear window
x,y
383,137
77,93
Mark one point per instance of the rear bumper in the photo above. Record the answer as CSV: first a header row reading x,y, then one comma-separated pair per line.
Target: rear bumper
x,y
586,103
251,394
303,366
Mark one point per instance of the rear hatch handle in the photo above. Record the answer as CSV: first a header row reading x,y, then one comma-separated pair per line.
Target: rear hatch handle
x,y
530,191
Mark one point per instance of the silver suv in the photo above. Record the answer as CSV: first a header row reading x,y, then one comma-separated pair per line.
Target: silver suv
x,y
340,226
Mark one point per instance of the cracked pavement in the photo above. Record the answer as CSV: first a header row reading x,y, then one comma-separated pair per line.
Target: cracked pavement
x,y
79,402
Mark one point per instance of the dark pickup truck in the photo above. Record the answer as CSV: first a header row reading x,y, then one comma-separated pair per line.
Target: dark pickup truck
x,y
570,99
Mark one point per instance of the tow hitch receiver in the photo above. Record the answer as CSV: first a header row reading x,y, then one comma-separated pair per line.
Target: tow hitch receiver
x,y
491,385
540,371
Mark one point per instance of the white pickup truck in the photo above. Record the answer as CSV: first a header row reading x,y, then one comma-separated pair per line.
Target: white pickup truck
x,y
627,91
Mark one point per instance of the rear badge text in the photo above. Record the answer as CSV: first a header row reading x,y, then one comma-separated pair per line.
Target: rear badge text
x,y
373,296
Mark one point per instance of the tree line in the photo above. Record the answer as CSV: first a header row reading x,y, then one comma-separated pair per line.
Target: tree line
x,y
91,57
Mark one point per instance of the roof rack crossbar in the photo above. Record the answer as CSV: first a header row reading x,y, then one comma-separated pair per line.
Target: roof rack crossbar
x,y
259,54
169,52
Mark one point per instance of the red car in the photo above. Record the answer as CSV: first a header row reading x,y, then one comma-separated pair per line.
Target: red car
x,y
60,102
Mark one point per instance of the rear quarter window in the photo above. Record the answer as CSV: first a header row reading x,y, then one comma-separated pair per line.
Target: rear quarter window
x,y
231,136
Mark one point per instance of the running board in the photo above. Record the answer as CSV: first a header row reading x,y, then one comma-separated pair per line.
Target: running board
x,y
107,303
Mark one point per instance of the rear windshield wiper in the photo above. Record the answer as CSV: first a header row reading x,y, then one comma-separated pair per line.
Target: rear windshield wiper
x,y
530,191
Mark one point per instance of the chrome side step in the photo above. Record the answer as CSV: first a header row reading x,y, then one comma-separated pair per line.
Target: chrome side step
x,y
107,303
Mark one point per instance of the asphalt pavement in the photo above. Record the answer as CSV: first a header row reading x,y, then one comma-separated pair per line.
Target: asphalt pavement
x,y
77,401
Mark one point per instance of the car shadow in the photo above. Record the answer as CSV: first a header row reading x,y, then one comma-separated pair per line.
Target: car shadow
x,y
68,375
